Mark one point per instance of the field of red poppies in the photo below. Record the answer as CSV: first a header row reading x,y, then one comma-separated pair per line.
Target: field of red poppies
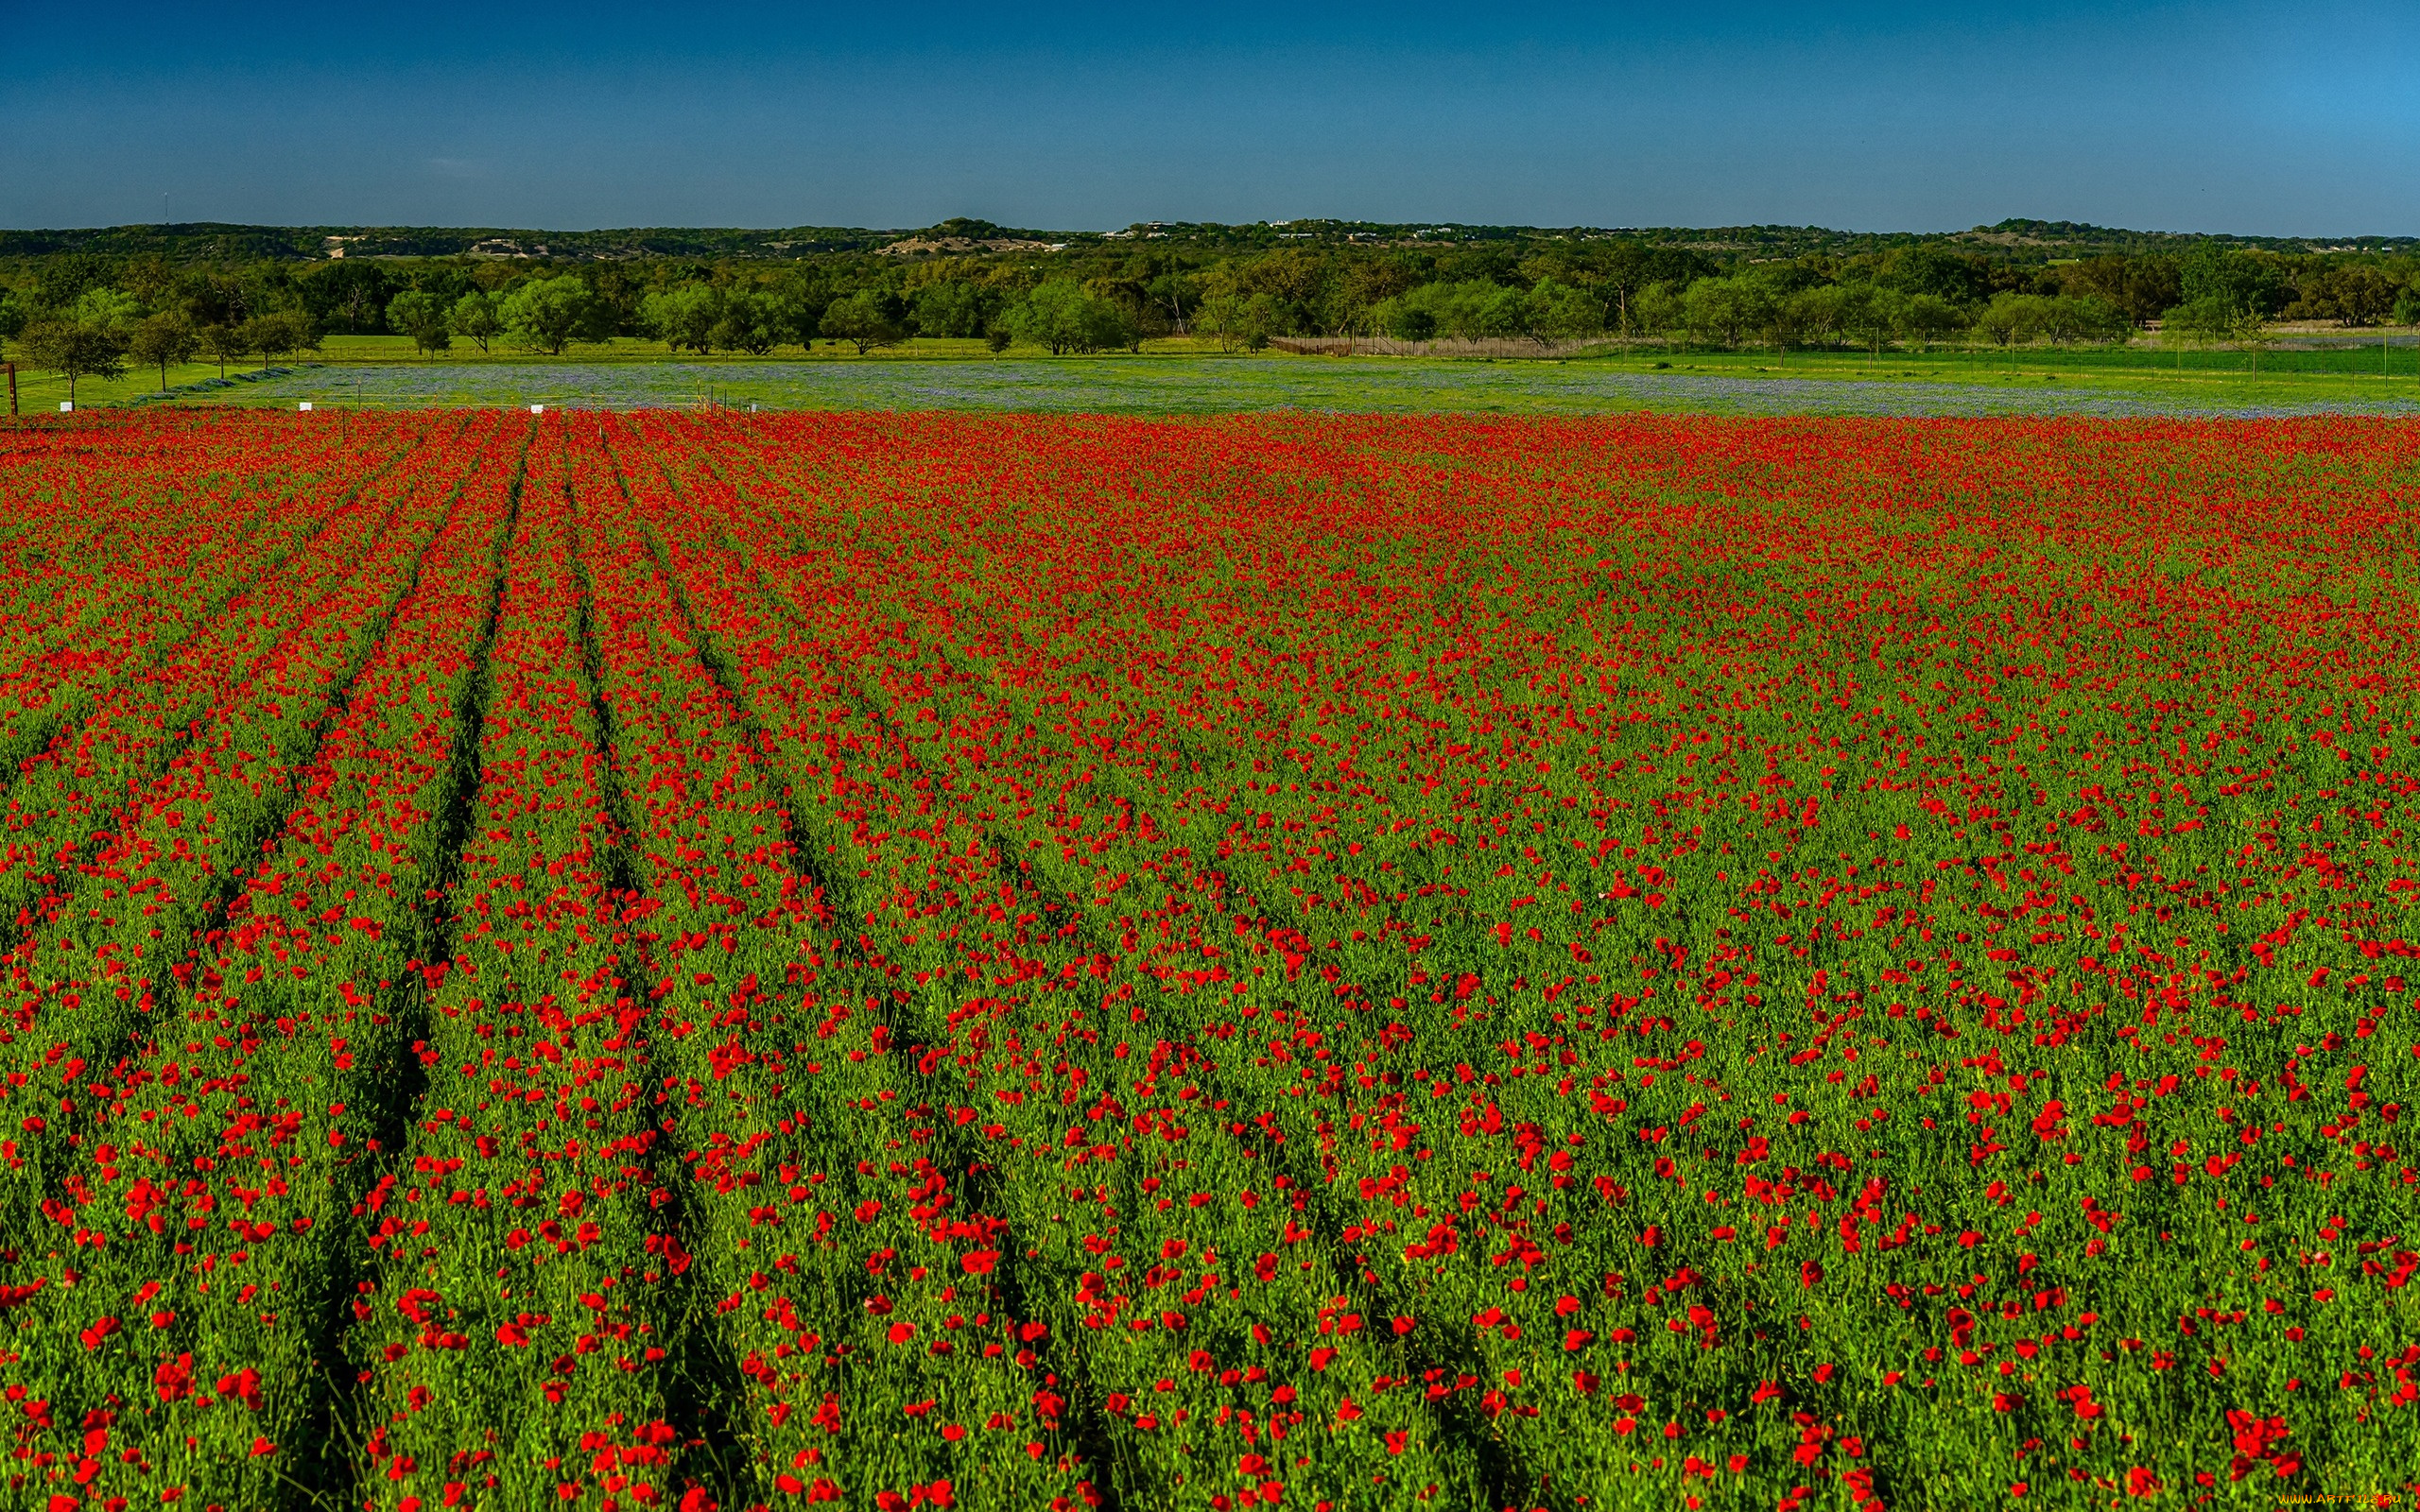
x,y
617,963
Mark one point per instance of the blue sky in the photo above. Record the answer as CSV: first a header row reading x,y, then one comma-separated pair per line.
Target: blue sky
x,y
2249,118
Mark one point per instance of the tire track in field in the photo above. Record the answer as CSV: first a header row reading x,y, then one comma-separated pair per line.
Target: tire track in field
x,y
22,888
535,1254
22,745
714,1406
558,1240
1451,1416
867,706
711,1389
454,825
104,1035
708,1412
686,706
984,1181
144,541
270,821
305,1011
347,1421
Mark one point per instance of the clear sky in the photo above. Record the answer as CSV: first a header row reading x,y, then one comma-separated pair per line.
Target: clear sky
x,y
2271,119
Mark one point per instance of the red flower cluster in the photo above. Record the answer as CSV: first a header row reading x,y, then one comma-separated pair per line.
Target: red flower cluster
x,y
712,962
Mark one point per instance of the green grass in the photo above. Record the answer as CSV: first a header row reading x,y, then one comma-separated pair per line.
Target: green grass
x,y
2225,375
39,393
2218,377
2197,379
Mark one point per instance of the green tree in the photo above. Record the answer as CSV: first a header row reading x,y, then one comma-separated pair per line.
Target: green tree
x,y
2354,296
302,332
951,307
260,337
1065,316
2136,287
350,295
1950,277
1924,318
2362,296
224,344
2240,281
1868,315
220,298
476,318
167,337
548,315
1404,321
1176,293
2249,329
2197,323
800,299
67,275
1785,321
13,317
1558,312
2063,318
106,306
1617,274
150,278
2012,320
1469,309
1237,320
749,322
1501,311
1263,318
683,317
420,317
278,334
1137,319
867,319
1820,313
76,350
1728,307
1659,310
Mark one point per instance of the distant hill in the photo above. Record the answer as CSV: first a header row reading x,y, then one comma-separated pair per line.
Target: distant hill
x,y
2015,240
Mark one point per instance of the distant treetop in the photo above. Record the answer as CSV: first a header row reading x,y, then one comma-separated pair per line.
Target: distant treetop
x,y
2015,240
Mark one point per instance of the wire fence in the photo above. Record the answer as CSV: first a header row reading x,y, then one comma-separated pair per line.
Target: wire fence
x,y
318,386
1524,348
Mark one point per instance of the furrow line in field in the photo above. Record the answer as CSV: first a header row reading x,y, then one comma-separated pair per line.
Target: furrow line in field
x,y
908,1407
235,775
721,624
187,1265
66,797
81,539
773,673
522,1336
98,965
57,690
1469,1456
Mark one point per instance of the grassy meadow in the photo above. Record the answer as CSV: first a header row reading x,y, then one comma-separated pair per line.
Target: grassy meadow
x,y
2297,374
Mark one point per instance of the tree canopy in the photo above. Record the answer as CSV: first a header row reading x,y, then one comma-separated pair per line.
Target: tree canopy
x,y
1240,287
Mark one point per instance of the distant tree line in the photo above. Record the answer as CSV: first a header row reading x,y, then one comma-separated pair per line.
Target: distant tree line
x,y
86,314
